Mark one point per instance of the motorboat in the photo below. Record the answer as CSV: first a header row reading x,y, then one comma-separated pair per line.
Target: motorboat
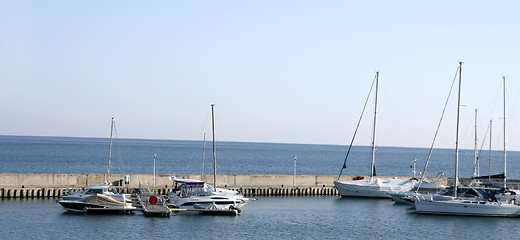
x,y
102,188
189,192
97,203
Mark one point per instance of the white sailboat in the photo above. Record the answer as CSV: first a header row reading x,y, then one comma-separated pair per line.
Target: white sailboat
x,y
190,193
373,187
468,208
487,205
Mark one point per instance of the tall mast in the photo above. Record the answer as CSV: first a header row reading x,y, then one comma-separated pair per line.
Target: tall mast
x,y
505,167
456,183
476,166
214,152
490,135
154,155
110,150
203,154
372,169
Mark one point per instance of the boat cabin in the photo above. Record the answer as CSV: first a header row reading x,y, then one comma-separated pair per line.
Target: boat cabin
x,y
97,188
189,189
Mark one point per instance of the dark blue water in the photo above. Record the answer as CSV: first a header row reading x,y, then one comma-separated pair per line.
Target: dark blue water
x,y
26,154
267,218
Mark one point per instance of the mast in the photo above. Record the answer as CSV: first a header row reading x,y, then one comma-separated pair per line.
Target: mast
x,y
110,151
203,153
490,135
357,127
154,155
372,169
214,152
413,168
505,167
456,183
476,167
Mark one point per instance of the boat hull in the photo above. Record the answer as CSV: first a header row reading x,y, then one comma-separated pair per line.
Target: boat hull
x,y
372,188
189,204
468,208
84,207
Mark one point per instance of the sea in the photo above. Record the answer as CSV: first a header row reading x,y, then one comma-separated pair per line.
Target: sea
x,y
267,217
32,154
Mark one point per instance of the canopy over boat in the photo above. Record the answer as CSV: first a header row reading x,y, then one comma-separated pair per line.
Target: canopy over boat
x,y
185,180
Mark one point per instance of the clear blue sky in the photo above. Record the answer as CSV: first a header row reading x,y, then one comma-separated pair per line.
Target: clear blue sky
x,y
278,71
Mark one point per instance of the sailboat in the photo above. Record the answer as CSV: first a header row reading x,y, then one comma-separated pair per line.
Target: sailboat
x,y
486,204
373,187
191,193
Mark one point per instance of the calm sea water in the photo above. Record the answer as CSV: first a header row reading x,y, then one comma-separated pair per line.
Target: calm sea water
x,y
266,218
27,154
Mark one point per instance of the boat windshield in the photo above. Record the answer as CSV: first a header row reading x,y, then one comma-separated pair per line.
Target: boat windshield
x,y
194,189
94,191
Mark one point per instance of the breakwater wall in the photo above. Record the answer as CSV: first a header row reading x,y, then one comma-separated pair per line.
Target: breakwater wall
x,y
246,191
55,185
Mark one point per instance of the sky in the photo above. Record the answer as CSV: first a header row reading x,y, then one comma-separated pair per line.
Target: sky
x,y
277,71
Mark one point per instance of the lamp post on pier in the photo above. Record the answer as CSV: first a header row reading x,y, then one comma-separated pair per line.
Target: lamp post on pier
x,y
154,155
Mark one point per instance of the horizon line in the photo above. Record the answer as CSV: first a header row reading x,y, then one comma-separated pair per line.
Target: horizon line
x,y
231,141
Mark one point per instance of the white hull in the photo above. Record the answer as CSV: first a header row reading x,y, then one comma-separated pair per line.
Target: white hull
x,y
373,188
468,208
190,202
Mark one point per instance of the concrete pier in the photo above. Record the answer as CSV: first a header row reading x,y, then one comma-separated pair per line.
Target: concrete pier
x,y
248,192
56,185
82,180
288,191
